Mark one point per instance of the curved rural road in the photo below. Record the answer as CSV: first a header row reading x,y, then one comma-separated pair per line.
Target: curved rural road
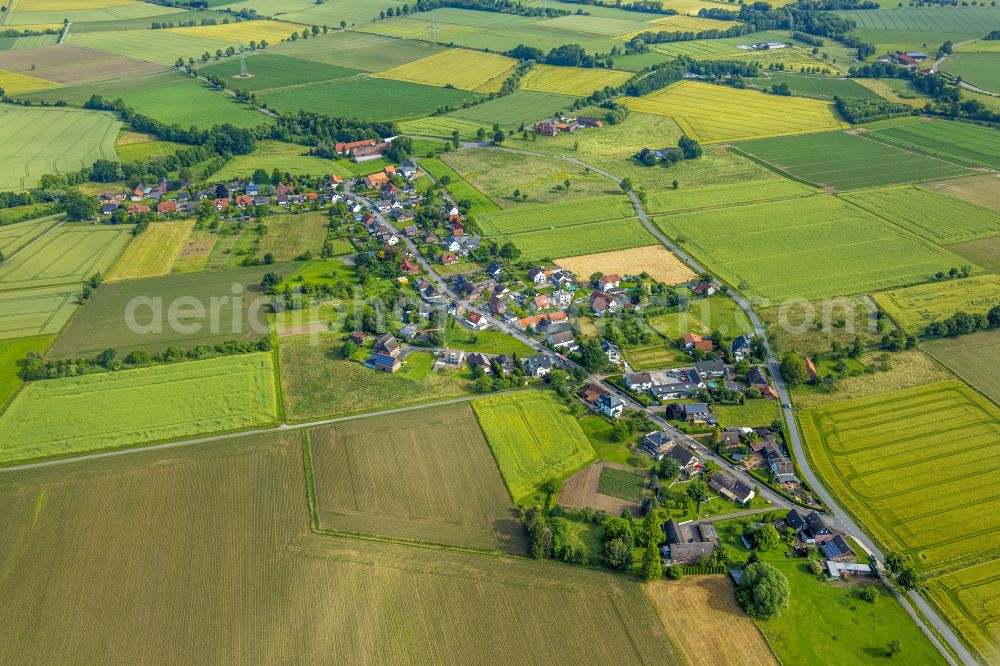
x,y
846,522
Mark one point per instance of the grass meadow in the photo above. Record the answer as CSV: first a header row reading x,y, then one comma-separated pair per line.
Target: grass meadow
x,y
287,237
152,252
964,355
310,367
286,157
534,439
938,218
713,114
821,87
355,50
451,493
714,196
825,247
538,217
243,503
235,297
458,186
915,307
101,411
69,255
12,355
844,161
961,142
703,316
980,69
28,151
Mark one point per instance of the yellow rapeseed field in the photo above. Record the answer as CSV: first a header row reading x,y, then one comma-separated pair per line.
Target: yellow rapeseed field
x,y
14,83
713,114
575,81
682,23
243,31
460,68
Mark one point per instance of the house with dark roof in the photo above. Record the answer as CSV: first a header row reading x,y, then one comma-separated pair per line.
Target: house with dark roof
x,y
688,542
795,520
387,344
538,365
479,360
612,351
741,348
658,443
837,549
818,528
610,405
698,412
731,488
688,461
710,369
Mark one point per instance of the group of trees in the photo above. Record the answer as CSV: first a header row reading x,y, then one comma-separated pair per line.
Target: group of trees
x,y
902,571
857,110
567,55
962,322
687,149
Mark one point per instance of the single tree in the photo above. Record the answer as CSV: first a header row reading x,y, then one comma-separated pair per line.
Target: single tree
x,y
763,592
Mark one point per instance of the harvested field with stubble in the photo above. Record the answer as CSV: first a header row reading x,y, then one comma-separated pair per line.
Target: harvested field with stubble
x,y
534,438
655,260
145,573
982,190
967,355
706,625
101,411
451,491
71,65
154,251
882,456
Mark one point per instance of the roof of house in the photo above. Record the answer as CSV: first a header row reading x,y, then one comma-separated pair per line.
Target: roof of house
x,y
836,547
386,342
756,376
709,367
682,455
741,342
478,359
817,524
609,278
795,519
559,338
385,361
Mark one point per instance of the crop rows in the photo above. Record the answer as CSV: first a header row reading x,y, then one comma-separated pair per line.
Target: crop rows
x,y
549,216
715,113
458,68
36,311
101,410
926,19
582,239
450,493
846,161
969,598
956,140
915,307
825,247
523,106
893,483
67,255
938,218
574,81
533,439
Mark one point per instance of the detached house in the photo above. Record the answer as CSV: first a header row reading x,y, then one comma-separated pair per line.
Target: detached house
x,y
741,348
608,282
476,321
611,406
731,488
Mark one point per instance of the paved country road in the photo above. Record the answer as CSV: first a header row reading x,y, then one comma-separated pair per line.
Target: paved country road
x,y
840,517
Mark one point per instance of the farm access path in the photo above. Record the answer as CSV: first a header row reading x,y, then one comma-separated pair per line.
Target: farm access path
x,y
841,518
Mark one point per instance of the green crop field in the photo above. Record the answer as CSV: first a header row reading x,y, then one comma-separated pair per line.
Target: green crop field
x,y
32,41
13,237
959,141
169,97
355,50
136,314
523,106
31,13
968,598
142,150
443,126
937,218
458,186
367,98
965,355
101,411
824,246
684,199
269,70
38,311
533,438
824,87
154,251
604,26
847,161
582,239
621,484
242,503
549,216
915,307
980,69
309,367
354,12
160,46
926,19
717,113
451,491
882,455
68,255
27,150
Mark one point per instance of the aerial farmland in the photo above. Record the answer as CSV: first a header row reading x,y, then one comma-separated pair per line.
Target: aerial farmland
x,y
564,331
